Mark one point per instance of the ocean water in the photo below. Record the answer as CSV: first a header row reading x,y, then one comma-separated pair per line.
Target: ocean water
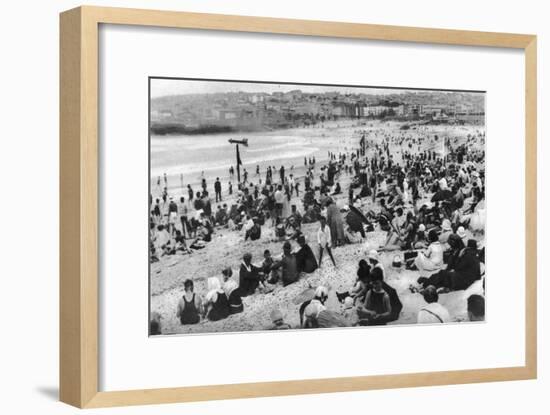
x,y
212,155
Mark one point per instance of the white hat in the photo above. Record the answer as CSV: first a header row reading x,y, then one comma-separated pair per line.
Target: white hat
x,y
446,225
422,227
373,254
321,292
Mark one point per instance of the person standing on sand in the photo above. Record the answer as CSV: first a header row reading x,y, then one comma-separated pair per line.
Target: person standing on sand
x,y
325,241
279,201
172,216
336,223
183,212
190,192
218,190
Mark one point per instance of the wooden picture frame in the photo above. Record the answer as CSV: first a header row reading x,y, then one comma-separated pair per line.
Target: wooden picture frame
x,y
79,296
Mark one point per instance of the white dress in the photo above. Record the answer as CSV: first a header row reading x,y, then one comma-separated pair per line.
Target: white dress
x,y
431,261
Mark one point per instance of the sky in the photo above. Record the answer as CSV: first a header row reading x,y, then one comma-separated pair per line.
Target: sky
x,y
163,87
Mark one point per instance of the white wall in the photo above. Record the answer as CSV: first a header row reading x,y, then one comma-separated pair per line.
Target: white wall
x,y
29,208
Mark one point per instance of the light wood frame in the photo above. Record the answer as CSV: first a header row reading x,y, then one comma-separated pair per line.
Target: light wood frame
x,y
79,359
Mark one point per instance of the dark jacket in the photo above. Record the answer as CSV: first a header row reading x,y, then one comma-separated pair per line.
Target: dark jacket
x,y
248,280
305,260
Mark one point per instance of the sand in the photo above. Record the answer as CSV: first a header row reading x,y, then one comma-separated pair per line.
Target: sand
x,y
227,248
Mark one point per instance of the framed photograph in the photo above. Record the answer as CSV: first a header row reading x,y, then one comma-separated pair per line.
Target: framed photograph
x,y
264,207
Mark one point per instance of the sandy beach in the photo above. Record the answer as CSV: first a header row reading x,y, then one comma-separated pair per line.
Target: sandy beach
x,y
227,247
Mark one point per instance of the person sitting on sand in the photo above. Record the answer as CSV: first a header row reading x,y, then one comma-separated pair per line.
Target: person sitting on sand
x,y
456,245
216,303
249,279
317,316
231,289
297,217
433,312
431,259
221,216
292,228
190,305
265,268
287,267
309,316
314,313
277,320
207,228
179,243
466,270
476,308
255,232
446,230
377,309
162,242
362,284
227,273
374,261
305,259
320,296
349,312
324,240
280,232
420,239
202,237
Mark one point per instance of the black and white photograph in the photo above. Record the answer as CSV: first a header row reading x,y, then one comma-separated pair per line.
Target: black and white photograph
x,y
288,206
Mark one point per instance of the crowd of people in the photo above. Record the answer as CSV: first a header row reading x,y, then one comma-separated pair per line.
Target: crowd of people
x,y
430,205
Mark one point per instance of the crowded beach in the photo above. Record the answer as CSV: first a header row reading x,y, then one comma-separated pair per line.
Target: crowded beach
x,y
387,229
